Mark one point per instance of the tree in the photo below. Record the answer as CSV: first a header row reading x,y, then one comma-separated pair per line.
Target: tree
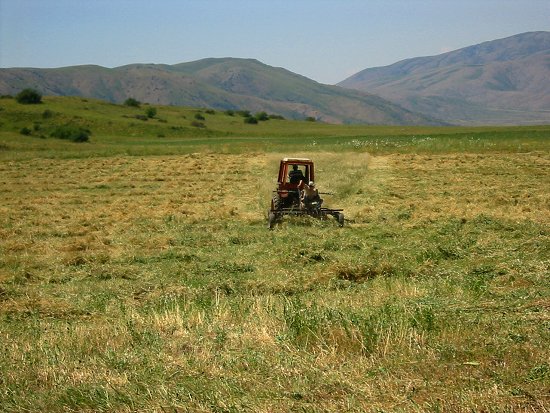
x,y
151,112
71,132
262,116
25,131
29,97
132,102
244,113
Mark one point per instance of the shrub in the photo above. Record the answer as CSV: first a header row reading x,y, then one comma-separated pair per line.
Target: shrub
x,y
262,116
29,97
47,114
141,117
230,112
310,119
132,102
25,131
278,117
198,124
199,116
210,111
71,132
151,112
251,120
244,113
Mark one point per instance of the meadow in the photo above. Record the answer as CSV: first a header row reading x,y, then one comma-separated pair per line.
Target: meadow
x,y
137,273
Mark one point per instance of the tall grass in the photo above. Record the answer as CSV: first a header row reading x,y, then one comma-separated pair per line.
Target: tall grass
x,y
150,283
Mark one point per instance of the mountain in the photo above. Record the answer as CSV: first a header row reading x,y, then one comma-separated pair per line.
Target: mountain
x,y
225,83
504,81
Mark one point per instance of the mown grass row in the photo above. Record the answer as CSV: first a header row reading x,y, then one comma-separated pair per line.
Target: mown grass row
x,y
152,284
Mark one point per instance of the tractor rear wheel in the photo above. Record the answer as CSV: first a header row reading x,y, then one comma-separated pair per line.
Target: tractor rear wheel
x,y
276,202
340,219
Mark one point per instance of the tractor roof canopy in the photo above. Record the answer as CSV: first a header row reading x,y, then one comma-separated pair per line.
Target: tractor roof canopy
x,y
297,160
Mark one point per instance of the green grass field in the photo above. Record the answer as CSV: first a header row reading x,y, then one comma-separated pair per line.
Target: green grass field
x,y
137,273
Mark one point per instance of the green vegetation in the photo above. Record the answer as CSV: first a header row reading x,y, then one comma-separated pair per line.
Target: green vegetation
x,y
137,273
25,131
121,129
255,84
251,120
132,102
71,132
28,97
261,116
151,112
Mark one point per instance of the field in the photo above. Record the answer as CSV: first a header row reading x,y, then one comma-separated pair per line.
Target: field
x,y
137,272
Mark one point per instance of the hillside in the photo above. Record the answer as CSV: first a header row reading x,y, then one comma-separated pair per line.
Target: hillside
x,y
503,81
215,83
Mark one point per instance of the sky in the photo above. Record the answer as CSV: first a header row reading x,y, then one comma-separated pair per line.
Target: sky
x,y
324,40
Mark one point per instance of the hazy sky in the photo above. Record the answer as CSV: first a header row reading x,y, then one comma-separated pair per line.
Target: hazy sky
x,y
325,40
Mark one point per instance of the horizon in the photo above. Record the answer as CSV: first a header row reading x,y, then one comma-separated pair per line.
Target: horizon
x,y
326,41
255,59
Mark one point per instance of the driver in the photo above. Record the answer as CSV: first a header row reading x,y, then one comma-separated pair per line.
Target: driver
x,y
296,175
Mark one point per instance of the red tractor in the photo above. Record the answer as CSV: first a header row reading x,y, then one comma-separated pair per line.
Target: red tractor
x,y
296,178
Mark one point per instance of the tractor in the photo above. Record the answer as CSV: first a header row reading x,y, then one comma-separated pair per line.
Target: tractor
x,y
288,198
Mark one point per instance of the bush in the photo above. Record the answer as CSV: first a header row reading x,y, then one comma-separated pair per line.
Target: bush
x,y
199,116
230,112
25,131
310,119
151,112
262,116
244,113
72,133
251,120
277,117
47,114
198,124
29,97
132,102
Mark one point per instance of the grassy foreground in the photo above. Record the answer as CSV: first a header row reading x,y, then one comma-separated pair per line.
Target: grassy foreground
x,y
137,273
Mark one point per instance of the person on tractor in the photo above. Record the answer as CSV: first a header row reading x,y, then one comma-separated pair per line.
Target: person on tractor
x,y
296,175
309,195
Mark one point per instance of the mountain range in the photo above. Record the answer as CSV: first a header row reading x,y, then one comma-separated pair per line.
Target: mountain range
x,y
505,81
498,82
222,83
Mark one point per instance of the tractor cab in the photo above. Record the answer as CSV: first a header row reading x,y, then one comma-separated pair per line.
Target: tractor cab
x,y
294,170
291,172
